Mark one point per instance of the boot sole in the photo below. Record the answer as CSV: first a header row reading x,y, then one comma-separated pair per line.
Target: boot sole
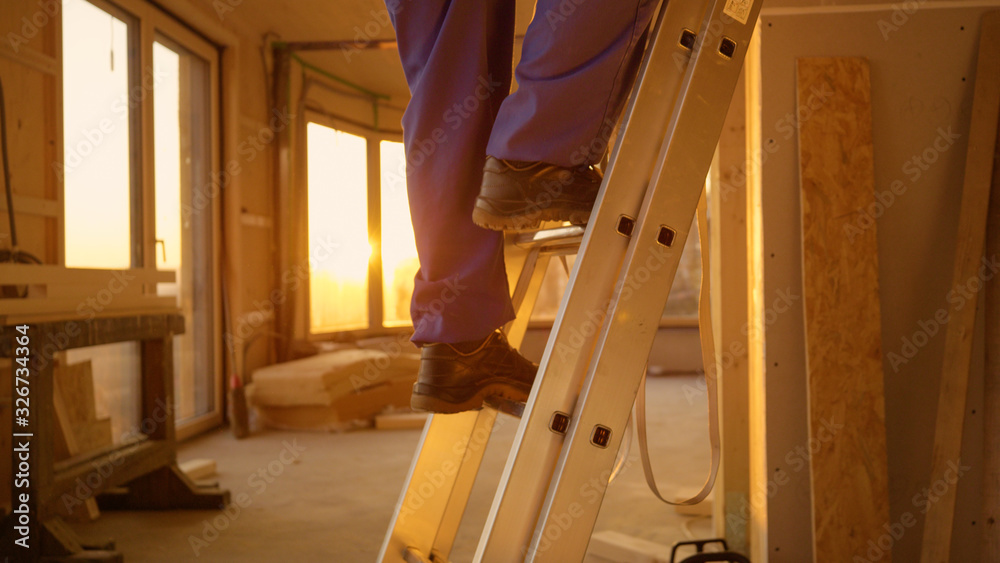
x,y
505,393
524,220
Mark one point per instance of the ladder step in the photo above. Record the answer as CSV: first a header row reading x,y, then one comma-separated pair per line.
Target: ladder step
x,y
558,240
506,406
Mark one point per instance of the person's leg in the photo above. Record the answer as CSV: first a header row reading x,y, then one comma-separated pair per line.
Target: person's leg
x,y
577,67
456,56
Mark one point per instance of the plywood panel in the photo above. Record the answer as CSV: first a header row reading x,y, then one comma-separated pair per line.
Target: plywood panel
x,y
842,317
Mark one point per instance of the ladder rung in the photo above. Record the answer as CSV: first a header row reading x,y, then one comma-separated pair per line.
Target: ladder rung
x,y
551,240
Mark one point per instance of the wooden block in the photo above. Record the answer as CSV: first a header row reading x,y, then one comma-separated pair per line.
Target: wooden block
x,y
93,434
850,494
200,468
75,384
400,420
25,274
620,548
971,239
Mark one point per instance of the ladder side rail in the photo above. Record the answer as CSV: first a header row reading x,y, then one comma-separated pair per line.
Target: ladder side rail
x,y
573,501
536,448
451,447
524,297
449,452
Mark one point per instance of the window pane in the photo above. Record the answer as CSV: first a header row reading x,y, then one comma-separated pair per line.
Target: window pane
x,y
399,251
185,239
338,229
96,130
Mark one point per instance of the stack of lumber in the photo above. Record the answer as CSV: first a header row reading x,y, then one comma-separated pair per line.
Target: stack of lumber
x,y
334,391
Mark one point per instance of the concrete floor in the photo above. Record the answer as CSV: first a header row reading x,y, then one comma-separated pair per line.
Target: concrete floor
x,y
329,497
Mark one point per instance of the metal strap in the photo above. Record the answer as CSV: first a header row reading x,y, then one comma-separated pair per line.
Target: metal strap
x,y
708,359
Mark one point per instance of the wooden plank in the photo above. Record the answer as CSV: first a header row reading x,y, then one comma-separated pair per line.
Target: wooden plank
x,y
936,547
991,384
72,307
31,205
850,494
24,274
200,468
400,421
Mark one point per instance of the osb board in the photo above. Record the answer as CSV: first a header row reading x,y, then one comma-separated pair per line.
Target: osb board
x,y
842,317
917,88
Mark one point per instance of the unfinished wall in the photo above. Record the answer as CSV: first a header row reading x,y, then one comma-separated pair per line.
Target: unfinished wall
x,y
922,68
30,69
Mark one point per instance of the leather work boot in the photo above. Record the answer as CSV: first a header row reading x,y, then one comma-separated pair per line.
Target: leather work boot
x,y
458,377
518,195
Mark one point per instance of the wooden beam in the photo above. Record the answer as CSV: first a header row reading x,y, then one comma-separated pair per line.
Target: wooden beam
x,y
850,489
31,205
960,328
991,385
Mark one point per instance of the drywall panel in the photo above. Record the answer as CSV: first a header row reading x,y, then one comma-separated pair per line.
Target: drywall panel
x,y
921,70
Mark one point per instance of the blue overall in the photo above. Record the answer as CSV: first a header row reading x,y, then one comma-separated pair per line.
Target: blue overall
x,y
579,60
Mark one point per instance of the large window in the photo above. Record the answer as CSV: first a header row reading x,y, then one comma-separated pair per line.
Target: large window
x,y
361,251
338,230
139,107
399,251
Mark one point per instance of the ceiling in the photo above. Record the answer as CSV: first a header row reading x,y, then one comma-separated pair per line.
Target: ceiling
x,y
343,20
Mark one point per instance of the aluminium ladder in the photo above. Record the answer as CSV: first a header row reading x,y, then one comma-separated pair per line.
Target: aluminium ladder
x,y
593,364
